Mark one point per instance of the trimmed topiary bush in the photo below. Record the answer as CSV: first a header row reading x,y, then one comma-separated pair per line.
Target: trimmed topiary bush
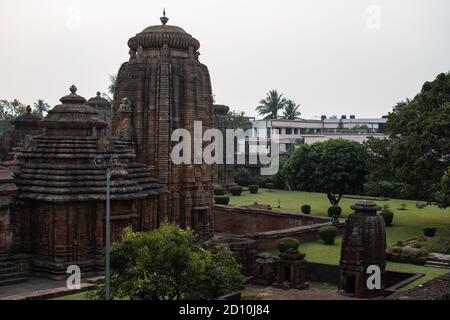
x,y
236,190
219,191
222,200
328,234
334,210
253,189
387,215
306,209
284,244
429,232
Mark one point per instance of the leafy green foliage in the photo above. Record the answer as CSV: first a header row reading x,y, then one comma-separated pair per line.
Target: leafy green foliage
x,y
419,131
270,106
253,189
439,245
442,195
387,215
334,211
219,191
243,177
170,263
222,200
288,243
334,167
41,107
9,110
239,120
236,190
306,209
328,234
291,110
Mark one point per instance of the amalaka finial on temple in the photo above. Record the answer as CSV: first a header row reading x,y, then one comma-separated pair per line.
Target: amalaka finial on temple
x,y
164,19
73,89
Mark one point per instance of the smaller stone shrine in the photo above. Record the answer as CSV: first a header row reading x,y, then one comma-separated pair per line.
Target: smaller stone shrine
x,y
265,269
291,267
103,108
363,245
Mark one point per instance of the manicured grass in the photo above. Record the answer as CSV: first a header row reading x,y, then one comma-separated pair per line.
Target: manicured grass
x,y
407,224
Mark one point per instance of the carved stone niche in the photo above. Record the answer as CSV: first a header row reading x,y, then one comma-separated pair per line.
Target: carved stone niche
x,y
265,269
291,270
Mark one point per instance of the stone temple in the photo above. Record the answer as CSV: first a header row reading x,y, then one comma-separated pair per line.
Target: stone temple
x,y
57,218
167,88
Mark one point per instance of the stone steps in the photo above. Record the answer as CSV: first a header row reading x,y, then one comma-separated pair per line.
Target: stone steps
x,y
437,264
13,275
9,282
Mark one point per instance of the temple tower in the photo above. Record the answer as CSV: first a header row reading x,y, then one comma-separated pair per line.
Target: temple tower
x,y
363,245
168,89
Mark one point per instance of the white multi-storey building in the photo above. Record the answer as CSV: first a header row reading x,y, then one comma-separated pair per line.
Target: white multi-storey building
x,y
292,132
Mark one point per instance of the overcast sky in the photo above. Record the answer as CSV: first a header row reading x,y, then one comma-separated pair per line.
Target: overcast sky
x,y
332,57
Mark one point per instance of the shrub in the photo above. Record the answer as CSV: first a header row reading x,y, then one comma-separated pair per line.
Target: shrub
x,y
306,209
328,234
429,232
219,191
387,215
334,210
243,177
253,189
439,245
269,185
222,200
236,190
284,244
382,189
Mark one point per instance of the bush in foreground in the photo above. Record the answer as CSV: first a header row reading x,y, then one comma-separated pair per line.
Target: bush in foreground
x,y
170,264
328,234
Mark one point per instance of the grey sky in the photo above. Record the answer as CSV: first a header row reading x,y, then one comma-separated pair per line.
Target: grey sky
x,y
320,53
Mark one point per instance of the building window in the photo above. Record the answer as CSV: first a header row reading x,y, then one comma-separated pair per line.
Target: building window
x,y
288,130
296,131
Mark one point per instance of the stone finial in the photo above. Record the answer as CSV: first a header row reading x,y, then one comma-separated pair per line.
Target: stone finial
x,y
365,207
28,109
73,89
164,19
98,94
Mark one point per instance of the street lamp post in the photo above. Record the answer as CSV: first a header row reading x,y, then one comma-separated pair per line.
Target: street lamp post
x,y
108,163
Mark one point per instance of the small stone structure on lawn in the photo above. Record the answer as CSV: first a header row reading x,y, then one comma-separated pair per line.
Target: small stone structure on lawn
x,y
363,245
291,270
265,269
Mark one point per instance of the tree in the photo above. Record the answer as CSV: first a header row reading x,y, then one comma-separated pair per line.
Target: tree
x,y
112,86
271,105
420,133
239,120
41,106
9,110
442,195
170,264
291,110
335,167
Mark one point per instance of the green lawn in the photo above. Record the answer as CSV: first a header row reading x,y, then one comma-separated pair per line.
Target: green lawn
x,y
407,224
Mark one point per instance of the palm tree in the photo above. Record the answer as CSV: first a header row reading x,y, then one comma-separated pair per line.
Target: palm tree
x,y
41,106
112,86
271,104
291,111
